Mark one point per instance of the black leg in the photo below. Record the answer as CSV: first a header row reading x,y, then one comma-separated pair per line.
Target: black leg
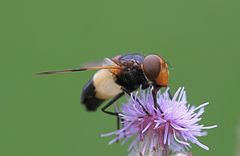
x,y
110,103
170,95
126,91
129,93
118,118
154,93
113,113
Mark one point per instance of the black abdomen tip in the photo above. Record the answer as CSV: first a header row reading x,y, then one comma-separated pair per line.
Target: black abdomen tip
x,y
88,97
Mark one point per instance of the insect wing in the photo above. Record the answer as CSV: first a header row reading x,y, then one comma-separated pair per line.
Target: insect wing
x,y
106,64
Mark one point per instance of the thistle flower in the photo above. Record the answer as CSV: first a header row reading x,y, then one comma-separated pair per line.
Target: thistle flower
x,y
167,128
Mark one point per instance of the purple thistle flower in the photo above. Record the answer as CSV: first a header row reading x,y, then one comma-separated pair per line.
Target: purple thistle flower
x,y
169,128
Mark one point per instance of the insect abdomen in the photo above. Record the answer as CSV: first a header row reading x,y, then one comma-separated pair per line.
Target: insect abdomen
x,y
88,97
100,88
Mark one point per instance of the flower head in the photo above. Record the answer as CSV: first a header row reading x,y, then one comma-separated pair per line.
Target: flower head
x,y
168,127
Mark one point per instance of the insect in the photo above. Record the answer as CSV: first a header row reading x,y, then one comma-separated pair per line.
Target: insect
x,y
118,75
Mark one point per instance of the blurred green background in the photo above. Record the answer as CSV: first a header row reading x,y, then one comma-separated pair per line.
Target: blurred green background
x,y
41,116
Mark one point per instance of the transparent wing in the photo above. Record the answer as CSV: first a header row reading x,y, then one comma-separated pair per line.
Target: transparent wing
x,y
105,64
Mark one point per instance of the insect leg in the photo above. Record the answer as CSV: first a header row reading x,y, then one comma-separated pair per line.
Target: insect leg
x,y
116,113
170,95
120,121
110,103
154,93
118,118
129,93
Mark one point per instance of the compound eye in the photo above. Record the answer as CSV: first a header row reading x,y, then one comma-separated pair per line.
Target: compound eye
x,y
151,67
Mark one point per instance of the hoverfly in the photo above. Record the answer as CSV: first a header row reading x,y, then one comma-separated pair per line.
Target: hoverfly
x,y
121,74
